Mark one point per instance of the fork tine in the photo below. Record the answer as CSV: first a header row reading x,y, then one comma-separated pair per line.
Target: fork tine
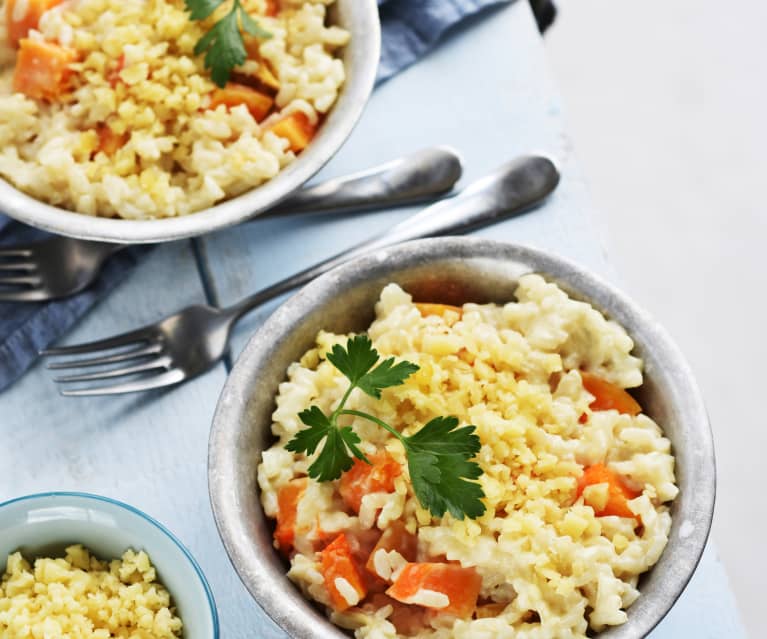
x,y
158,362
131,337
135,353
168,378
15,251
20,280
24,295
17,266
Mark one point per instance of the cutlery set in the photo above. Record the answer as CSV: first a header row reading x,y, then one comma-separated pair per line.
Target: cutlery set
x,y
187,343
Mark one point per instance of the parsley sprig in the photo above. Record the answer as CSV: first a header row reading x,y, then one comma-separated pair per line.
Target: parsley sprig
x,y
438,455
223,45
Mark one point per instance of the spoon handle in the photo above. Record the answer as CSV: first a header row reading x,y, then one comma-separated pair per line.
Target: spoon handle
x,y
413,178
511,189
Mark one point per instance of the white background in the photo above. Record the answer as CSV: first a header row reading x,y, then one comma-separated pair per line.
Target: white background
x,y
666,103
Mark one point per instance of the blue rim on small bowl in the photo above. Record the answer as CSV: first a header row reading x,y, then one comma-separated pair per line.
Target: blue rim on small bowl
x,y
116,506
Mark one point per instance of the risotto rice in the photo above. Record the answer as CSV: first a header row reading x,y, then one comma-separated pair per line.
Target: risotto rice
x,y
555,558
80,596
140,131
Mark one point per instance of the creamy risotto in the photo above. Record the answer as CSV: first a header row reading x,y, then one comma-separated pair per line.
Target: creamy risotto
x,y
79,596
577,480
106,110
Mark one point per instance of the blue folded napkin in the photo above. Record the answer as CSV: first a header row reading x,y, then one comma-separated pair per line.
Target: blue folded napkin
x,y
410,29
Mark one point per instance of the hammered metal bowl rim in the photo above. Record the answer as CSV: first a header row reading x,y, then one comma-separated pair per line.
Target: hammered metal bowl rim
x,y
301,623
364,54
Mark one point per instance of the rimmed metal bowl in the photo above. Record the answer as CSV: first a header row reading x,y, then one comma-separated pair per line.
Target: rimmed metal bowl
x,y
360,56
449,270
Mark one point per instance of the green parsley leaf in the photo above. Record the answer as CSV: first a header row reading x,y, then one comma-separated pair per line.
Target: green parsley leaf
x,y
438,458
386,374
440,437
334,458
223,48
351,439
358,358
252,27
201,9
307,440
439,455
223,45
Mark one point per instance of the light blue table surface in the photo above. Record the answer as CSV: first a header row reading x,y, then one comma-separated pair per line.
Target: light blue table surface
x,y
487,92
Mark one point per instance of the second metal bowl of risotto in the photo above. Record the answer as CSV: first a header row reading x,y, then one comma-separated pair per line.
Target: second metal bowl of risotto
x,y
452,271
360,57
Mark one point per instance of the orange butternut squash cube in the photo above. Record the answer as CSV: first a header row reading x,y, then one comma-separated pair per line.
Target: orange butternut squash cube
x,y
287,503
341,574
449,588
363,479
234,94
42,69
609,396
109,141
395,537
23,15
296,129
428,308
451,314
618,493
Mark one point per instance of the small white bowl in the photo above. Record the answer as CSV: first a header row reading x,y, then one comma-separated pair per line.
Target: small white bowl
x,y
43,525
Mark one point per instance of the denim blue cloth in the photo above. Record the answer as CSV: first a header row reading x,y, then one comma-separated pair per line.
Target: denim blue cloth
x,y
410,29
25,329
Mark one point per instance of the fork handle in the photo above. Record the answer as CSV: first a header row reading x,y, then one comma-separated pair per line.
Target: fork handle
x,y
509,190
410,179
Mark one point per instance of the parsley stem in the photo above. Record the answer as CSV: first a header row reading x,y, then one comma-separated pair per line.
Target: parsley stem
x,y
375,420
340,410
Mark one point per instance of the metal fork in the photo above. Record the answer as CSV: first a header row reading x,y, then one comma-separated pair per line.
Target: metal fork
x,y
188,343
62,266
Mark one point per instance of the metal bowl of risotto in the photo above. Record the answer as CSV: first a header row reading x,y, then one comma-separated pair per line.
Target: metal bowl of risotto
x,y
616,572
128,128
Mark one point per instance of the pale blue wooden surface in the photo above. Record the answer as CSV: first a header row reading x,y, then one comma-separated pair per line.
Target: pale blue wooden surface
x,y
487,92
